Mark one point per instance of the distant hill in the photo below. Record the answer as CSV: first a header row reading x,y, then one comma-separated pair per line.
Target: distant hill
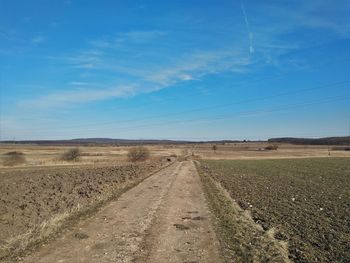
x,y
95,141
109,141
316,141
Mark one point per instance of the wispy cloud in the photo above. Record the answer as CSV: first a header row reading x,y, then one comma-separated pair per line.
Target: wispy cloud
x,y
125,54
130,37
189,68
320,15
85,59
79,83
198,65
74,97
38,40
141,36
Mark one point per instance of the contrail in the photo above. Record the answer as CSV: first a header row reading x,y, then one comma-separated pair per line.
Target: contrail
x,y
250,34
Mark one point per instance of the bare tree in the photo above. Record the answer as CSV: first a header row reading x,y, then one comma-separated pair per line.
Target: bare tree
x,y
138,154
71,155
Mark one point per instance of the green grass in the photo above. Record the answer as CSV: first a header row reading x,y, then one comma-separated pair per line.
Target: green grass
x,y
307,201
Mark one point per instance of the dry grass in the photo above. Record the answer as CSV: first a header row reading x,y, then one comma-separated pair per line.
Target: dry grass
x,y
42,155
241,239
13,158
38,234
38,155
341,148
256,150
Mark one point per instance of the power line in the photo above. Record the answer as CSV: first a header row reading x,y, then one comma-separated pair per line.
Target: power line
x,y
210,107
195,94
224,117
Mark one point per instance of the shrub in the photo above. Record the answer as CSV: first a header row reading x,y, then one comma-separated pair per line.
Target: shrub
x,y
138,154
271,147
71,155
14,158
341,148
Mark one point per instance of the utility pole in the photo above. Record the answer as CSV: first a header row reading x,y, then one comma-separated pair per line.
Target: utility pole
x,y
329,152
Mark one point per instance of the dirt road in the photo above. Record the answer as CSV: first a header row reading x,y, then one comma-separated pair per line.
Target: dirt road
x,y
163,219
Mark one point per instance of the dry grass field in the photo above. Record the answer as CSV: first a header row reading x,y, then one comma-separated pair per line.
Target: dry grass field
x,y
256,150
38,155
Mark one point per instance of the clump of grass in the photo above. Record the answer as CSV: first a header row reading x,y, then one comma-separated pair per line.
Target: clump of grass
x,y
13,158
71,155
138,154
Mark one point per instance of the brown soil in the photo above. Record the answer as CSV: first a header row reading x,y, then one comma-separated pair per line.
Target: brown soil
x,y
34,203
165,214
306,202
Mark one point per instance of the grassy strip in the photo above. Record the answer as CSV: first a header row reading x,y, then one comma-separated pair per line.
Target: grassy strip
x,y
241,239
26,243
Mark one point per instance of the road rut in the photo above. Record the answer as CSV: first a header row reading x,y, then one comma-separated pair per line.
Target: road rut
x,y
163,219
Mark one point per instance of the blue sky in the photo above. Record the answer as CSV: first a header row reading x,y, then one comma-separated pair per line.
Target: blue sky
x,y
194,70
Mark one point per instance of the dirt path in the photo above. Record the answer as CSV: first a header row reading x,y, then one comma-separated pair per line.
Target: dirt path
x,y
182,231
163,219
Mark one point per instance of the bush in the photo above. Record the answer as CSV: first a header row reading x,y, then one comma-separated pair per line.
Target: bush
x,y
341,148
71,155
138,154
271,147
14,158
